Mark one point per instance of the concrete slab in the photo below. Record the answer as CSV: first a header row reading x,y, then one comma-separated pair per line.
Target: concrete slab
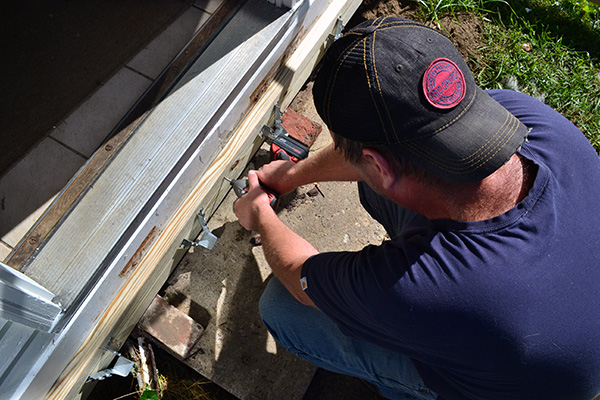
x,y
59,52
155,56
28,188
5,250
93,121
225,284
208,5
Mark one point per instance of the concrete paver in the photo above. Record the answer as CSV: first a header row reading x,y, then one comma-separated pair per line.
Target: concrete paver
x,y
172,327
92,122
152,60
28,188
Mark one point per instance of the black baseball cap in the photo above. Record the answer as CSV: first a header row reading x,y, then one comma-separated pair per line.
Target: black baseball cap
x,y
395,81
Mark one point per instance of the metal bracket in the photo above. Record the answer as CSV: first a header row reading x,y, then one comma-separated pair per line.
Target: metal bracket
x,y
270,134
122,367
207,240
339,27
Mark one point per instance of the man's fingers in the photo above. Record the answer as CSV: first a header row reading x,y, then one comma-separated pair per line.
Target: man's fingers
x,y
252,179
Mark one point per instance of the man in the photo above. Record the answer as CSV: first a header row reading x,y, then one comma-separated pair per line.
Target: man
x,y
490,285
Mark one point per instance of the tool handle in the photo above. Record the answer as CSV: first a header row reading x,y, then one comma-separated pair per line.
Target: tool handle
x,y
272,195
241,187
280,154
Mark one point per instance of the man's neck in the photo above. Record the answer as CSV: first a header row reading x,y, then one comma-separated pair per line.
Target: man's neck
x,y
486,199
496,194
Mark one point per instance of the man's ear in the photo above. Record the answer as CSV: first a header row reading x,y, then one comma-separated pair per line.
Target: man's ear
x,y
376,163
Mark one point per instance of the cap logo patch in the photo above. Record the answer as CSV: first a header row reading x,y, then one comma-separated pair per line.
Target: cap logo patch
x,y
444,84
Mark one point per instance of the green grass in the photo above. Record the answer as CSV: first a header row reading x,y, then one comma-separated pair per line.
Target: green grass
x,y
548,49
435,9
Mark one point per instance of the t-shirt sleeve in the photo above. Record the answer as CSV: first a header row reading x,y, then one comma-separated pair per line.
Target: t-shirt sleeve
x,y
352,288
337,283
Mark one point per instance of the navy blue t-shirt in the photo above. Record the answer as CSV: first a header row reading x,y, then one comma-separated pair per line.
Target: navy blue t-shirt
x,y
506,308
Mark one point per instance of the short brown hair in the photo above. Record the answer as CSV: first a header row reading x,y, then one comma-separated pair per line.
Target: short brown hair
x,y
352,151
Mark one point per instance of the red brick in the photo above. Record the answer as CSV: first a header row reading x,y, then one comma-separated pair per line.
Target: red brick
x,y
300,127
170,326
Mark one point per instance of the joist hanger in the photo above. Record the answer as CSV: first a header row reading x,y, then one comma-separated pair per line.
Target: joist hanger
x,y
207,240
122,367
332,37
270,134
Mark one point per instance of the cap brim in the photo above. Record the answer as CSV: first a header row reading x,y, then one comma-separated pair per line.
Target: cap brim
x,y
472,147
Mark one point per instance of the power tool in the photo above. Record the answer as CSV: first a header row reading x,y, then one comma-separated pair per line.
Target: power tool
x,y
241,187
283,146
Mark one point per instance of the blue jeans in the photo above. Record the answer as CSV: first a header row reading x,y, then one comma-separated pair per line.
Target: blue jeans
x,y
310,334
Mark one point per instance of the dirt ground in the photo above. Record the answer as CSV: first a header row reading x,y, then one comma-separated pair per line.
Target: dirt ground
x,y
463,29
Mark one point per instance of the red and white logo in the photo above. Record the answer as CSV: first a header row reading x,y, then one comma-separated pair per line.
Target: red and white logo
x,y
444,84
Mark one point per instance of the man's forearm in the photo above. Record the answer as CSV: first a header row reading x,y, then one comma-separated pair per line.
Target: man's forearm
x,y
325,165
286,253
285,250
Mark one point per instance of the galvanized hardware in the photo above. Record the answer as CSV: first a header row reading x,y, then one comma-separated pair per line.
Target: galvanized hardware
x,y
332,37
122,367
269,134
207,240
112,345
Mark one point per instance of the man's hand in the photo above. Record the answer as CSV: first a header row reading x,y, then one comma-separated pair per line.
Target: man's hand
x,y
277,175
284,250
251,207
